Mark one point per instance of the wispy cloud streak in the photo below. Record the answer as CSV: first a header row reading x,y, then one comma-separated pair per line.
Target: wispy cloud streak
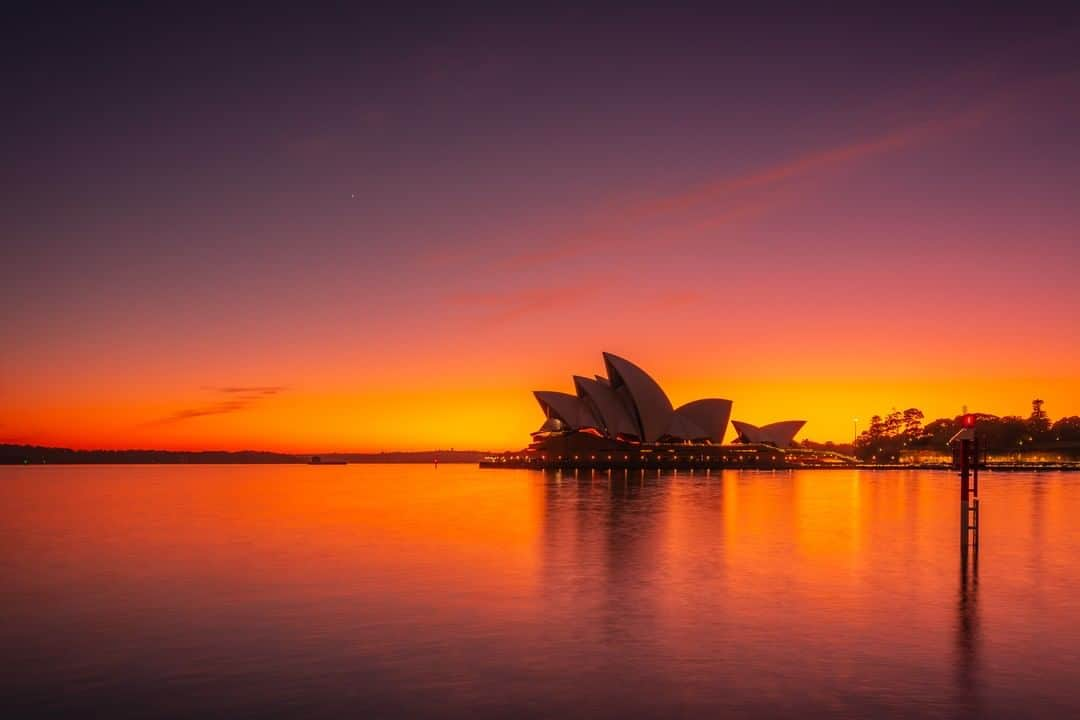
x,y
503,306
230,399
497,307
742,197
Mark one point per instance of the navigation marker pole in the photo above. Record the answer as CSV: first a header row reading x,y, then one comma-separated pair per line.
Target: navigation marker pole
x,y
966,458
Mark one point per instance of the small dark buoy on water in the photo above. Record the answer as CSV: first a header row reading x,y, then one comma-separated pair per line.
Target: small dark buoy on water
x,y
318,460
436,462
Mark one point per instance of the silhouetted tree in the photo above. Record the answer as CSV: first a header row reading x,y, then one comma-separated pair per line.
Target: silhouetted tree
x,y
1038,424
913,418
1067,429
894,423
886,437
938,432
1004,434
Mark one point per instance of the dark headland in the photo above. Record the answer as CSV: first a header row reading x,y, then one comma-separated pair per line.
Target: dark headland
x,y
38,455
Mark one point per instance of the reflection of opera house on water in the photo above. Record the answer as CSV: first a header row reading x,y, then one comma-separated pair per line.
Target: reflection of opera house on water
x,y
627,420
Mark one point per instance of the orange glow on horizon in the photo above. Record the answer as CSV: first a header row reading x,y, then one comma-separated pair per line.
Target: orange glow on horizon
x,y
488,417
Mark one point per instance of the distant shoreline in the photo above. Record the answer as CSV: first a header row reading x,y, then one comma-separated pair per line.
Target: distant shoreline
x,y
40,455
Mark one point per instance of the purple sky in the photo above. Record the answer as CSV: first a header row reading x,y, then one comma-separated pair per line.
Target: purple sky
x,y
250,198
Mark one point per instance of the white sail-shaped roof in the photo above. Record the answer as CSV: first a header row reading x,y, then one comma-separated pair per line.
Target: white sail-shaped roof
x,y
604,403
567,408
552,424
746,432
781,434
683,428
629,404
651,406
711,415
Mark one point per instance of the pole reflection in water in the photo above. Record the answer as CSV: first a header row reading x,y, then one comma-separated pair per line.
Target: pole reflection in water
x,y
967,634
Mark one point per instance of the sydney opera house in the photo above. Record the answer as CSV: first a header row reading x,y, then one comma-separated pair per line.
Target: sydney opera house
x,y
626,417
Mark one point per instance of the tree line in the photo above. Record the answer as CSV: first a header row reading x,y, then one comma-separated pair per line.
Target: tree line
x,y
889,435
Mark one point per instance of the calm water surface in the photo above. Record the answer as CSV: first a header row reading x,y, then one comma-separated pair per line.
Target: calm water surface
x,y
384,591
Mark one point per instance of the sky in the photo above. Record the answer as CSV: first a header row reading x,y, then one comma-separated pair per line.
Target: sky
x,y
366,229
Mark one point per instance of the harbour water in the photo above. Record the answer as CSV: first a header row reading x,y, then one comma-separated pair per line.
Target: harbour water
x,y
415,591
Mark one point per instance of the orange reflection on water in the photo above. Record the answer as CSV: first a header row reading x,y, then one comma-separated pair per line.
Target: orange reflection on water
x,y
436,591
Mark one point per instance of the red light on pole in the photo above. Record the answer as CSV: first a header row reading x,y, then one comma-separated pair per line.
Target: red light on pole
x,y
968,421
